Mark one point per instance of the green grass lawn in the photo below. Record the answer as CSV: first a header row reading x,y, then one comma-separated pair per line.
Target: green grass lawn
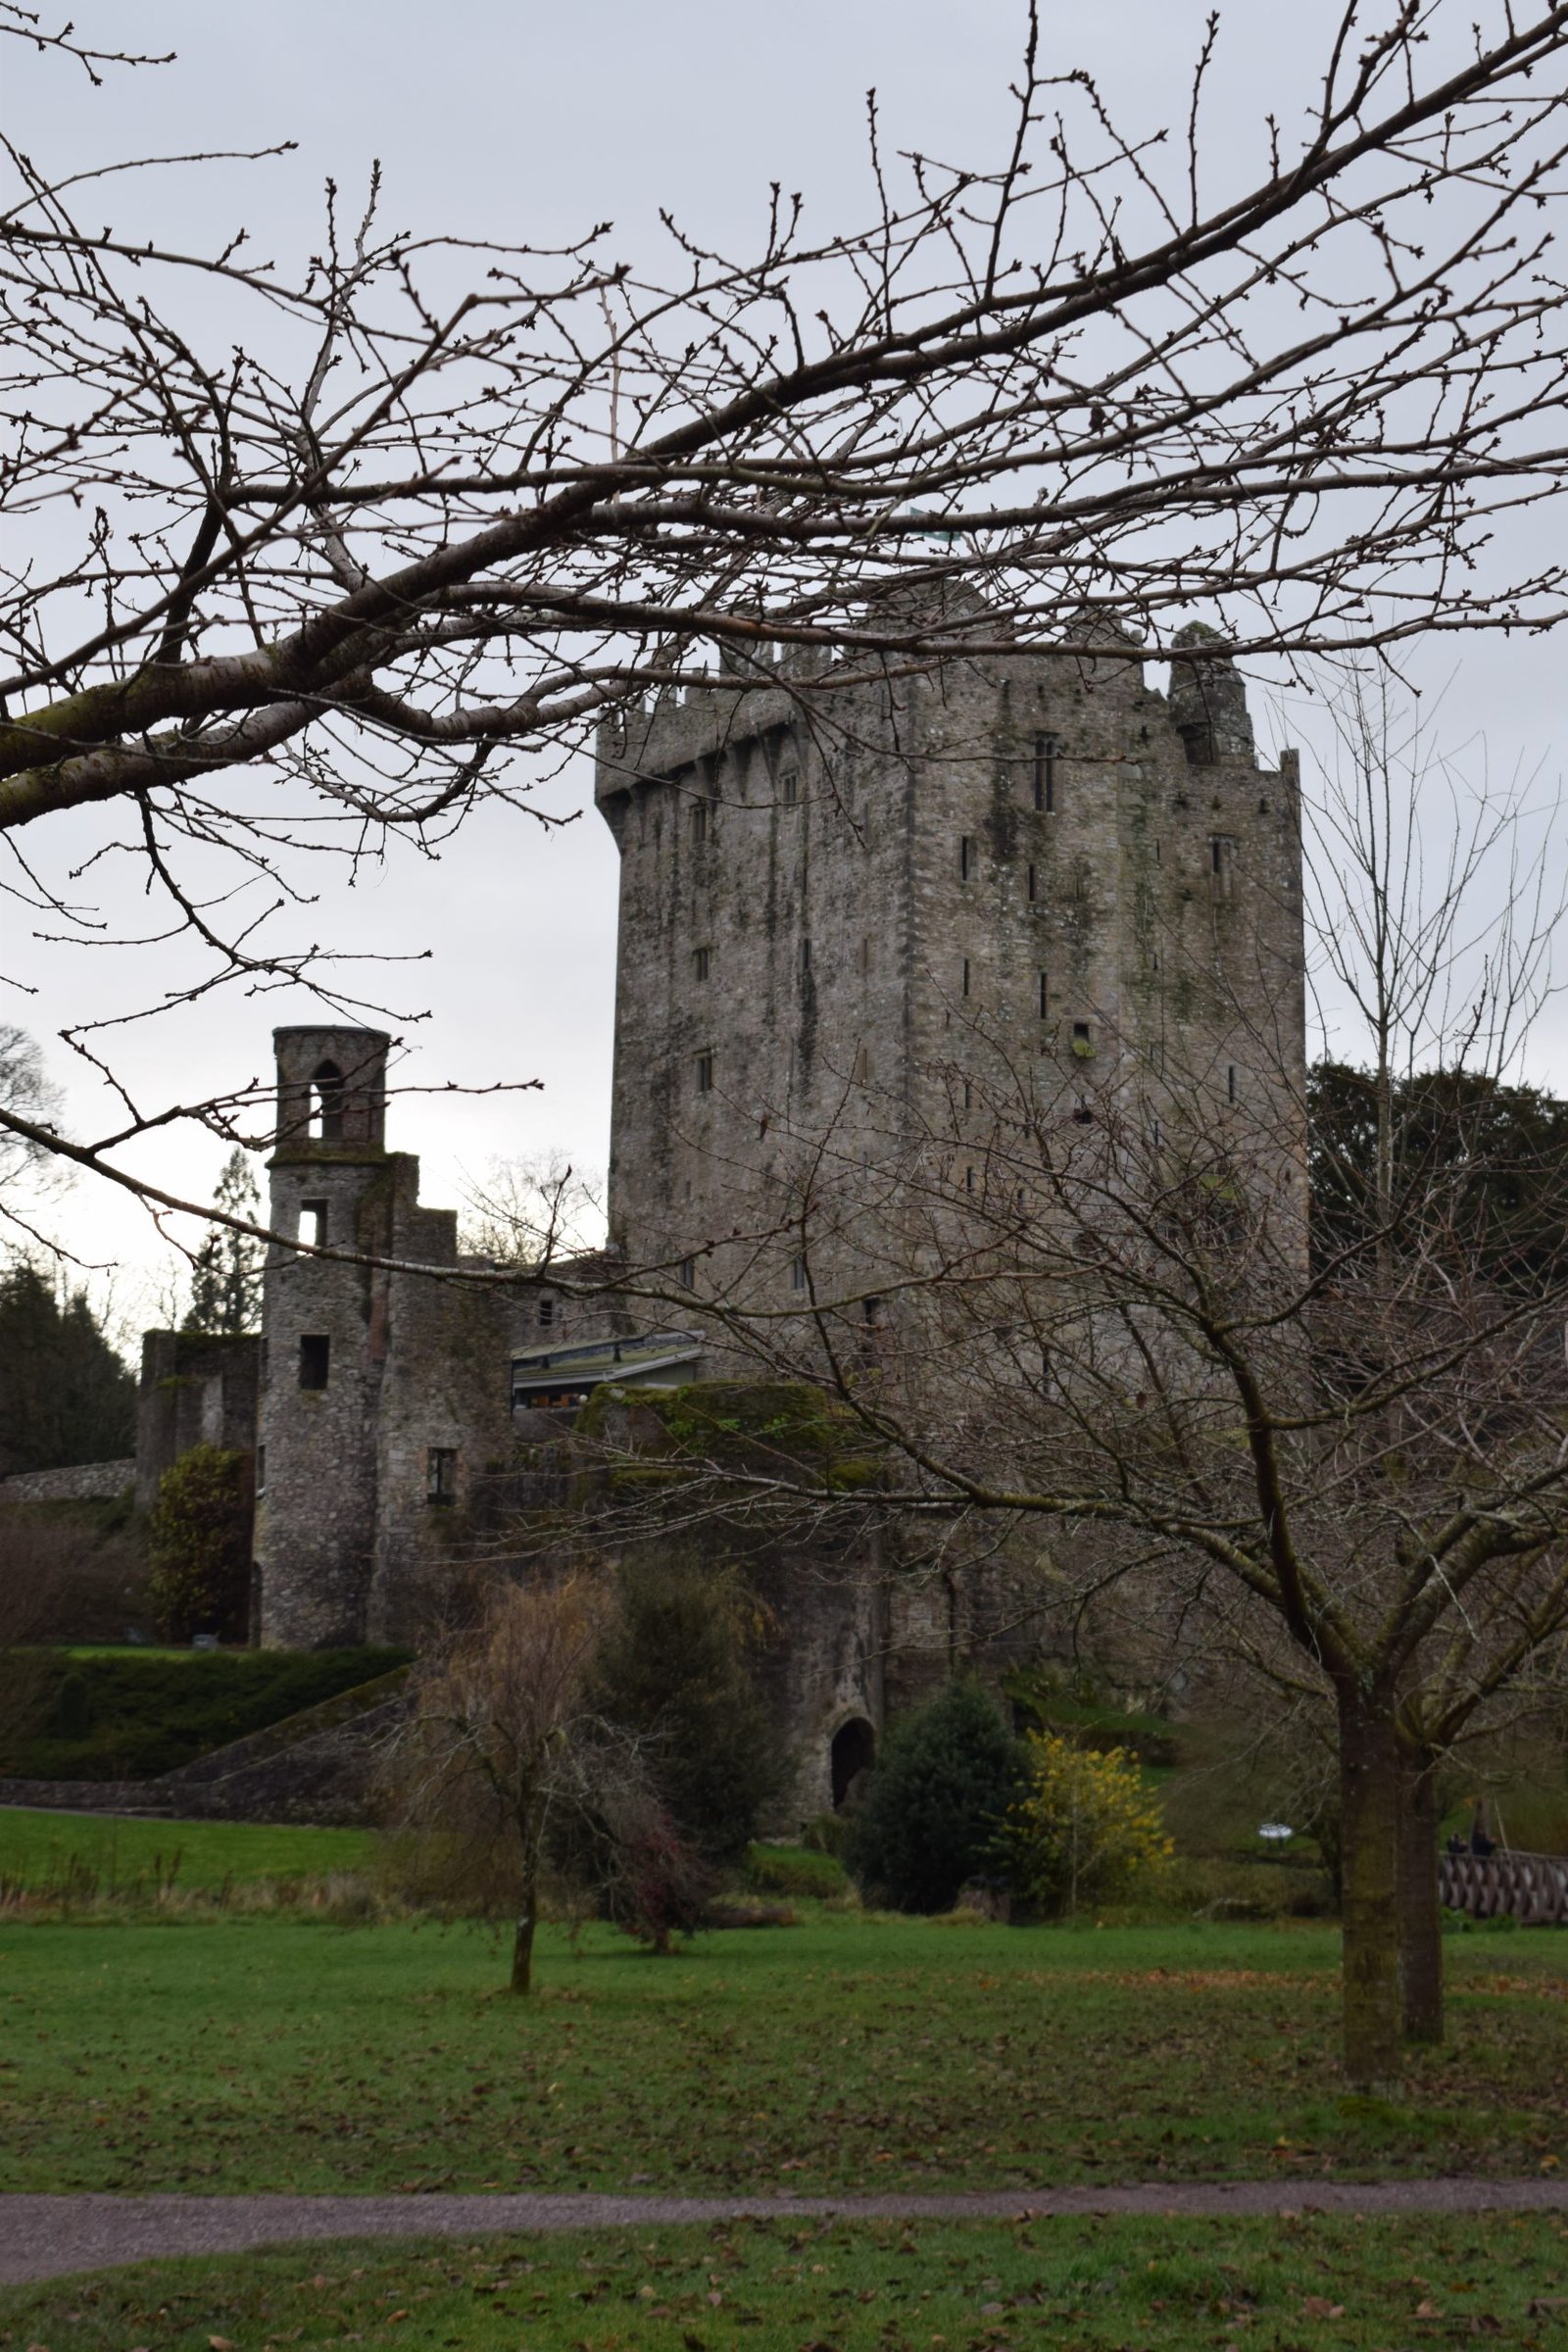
x,y
1098,2285
38,1850
280,2052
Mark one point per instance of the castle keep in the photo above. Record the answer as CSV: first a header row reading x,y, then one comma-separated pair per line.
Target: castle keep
x,y
842,901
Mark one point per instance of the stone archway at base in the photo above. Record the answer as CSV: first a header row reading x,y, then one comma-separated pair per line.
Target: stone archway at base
x,y
852,1752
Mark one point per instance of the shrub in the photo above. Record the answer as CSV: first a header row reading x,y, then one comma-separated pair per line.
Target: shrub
x,y
199,1543
936,1800
793,1870
1086,1827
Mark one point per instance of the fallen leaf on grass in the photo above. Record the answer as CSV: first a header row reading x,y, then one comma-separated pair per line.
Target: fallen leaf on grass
x,y
1425,2309
219,2343
1318,2307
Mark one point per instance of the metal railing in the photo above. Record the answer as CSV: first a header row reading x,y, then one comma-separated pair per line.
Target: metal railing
x,y
1530,1887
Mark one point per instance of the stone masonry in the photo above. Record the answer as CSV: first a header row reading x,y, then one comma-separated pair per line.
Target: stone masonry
x,y
837,892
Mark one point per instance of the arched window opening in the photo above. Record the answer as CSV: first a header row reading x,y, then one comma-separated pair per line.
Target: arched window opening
x,y
854,1752
326,1103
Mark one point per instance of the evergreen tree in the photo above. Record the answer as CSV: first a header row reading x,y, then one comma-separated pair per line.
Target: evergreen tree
x,y
1479,1171
672,1670
65,1394
938,1798
225,1289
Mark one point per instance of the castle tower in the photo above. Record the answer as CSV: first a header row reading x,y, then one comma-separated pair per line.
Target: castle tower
x,y
848,908
324,1340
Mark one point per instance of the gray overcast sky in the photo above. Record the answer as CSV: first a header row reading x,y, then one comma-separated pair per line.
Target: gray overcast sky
x,y
512,120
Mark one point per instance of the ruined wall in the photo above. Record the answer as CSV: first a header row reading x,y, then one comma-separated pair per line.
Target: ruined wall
x,y
195,1389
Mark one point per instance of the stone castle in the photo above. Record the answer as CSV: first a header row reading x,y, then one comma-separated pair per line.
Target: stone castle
x,y
834,891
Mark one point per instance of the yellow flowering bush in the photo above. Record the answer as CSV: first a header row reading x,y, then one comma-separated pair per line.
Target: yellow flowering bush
x,y
1087,1827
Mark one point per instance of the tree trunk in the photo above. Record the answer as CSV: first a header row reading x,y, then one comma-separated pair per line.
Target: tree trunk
x,y
1370,1786
522,1934
1420,1911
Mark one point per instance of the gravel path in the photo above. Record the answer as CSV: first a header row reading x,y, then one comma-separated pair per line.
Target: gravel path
x,y
46,2238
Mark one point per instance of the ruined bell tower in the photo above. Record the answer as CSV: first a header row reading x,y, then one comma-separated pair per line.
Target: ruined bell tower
x,y
324,1340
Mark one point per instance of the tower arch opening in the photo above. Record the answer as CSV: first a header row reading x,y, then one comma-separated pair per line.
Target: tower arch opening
x,y
851,1754
326,1103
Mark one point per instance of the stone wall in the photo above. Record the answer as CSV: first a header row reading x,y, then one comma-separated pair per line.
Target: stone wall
x,y
195,1391
83,1482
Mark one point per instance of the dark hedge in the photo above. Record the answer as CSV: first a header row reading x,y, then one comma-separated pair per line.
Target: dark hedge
x,y
130,1718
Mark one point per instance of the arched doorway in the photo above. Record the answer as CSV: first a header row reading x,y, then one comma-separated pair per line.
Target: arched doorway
x,y
852,1752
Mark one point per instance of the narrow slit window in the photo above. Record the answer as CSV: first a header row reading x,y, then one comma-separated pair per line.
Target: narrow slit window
x,y
863,959
965,855
1044,995
699,823
441,1474
1034,883
1045,773
686,1274
702,962
1221,863
261,1469
316,1359
968,1180
326,1103
798,1275
788,786
1230,1083
862,1065
312,1223
967,975
968,1095
704,1072
805,955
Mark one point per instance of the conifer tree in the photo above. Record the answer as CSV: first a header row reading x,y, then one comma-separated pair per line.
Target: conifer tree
x,y
225,1293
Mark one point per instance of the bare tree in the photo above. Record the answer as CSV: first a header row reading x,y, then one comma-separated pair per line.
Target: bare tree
x,y
370,526
505,1770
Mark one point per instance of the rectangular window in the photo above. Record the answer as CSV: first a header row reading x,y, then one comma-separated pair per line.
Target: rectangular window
x,y
968,1095
1045,773
312,1223
441,1474
547,1313
788,786
702,962
1082,1042
965,855
965,983
871,1309
798,1275
968,1180
1034,887
1230,1083
316,1359
699,821
1221,863
1045,994
805,955
686,1274
704,1072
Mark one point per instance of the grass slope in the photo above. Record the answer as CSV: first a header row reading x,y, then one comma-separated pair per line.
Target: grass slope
x,y
274,2052
40,1848
1099,2286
